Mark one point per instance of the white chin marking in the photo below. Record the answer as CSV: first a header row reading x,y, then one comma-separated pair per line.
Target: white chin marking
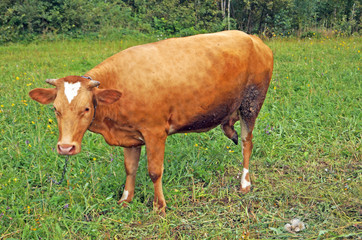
x,y
244,183
125,195
71,90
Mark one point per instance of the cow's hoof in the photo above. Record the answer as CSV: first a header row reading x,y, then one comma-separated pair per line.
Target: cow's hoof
x,y
162,212
123,203
160,209
245,190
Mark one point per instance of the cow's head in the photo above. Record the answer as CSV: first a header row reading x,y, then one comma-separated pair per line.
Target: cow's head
x,y
74,99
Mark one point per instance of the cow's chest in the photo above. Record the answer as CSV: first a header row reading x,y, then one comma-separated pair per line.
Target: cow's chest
x,y
119,134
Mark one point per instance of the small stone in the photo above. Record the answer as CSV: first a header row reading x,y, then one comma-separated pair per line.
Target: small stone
x,y
295,226
288,227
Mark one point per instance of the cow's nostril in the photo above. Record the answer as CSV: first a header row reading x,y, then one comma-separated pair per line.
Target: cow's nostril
x,y
66,149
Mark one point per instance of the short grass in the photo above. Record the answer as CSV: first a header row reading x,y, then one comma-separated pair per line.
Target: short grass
x,y
306,161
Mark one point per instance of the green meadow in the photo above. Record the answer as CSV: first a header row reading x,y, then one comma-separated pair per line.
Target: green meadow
x,y
306,161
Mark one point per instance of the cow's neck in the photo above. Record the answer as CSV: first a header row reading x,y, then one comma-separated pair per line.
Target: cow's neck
x,y
94,113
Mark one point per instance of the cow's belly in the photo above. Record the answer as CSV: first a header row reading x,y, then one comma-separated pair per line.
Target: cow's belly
x,y
202,120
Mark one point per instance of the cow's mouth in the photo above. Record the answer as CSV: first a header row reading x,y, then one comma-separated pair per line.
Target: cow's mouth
x,y
66,149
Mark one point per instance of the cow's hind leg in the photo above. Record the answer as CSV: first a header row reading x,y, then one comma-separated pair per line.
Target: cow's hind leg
x,y
131,160
253,99
247,147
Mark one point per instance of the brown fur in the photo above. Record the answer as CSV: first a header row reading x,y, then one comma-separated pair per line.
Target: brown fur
x,y
177,85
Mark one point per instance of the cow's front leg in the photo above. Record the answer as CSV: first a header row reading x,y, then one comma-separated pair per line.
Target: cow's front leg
x,y
131,159
155,147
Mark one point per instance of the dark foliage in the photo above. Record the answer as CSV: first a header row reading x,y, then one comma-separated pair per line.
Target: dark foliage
x,y
29,19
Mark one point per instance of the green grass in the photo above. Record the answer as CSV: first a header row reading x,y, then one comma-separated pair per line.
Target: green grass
x,y
306,161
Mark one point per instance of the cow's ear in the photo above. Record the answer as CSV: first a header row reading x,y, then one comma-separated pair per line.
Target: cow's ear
x,y
107,96
43,95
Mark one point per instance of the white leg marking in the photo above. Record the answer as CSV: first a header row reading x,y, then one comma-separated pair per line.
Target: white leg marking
x,y
124,195
244,183
71,90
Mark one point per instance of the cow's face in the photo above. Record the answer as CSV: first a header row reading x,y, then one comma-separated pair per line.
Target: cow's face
x,y
74,99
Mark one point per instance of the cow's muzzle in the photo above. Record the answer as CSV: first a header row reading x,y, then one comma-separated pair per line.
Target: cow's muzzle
x,y
67,149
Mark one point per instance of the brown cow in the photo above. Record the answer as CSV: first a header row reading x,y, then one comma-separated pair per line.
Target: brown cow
x,y
148,92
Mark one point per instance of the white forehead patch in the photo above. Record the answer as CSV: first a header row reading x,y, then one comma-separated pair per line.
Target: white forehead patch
x,y
71,90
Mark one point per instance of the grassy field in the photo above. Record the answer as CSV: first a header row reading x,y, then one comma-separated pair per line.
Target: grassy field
x,y
306,161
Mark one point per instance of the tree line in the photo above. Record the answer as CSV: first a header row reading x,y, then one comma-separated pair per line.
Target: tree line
x,y
29,19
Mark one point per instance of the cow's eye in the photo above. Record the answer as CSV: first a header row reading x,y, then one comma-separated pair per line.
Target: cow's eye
x,y
86,110
56,111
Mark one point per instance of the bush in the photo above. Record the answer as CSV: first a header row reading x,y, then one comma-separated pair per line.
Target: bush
x,y
25,20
